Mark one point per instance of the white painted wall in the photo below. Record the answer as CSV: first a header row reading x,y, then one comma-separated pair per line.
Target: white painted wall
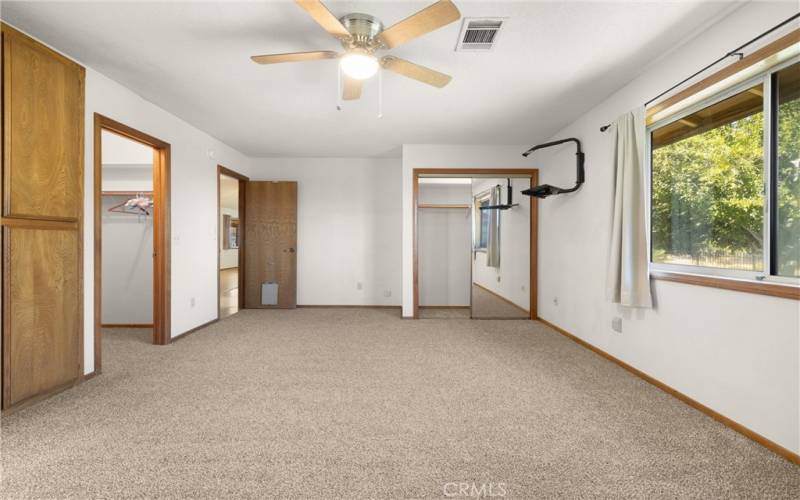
x,y
511,279
736,353
127,277
193,202
444,156
127,266
445,240
348,227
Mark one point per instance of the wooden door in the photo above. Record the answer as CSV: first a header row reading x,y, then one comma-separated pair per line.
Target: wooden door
x,y
42,207
271,242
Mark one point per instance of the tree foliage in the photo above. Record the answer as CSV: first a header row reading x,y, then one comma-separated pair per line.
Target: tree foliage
x,y
708,191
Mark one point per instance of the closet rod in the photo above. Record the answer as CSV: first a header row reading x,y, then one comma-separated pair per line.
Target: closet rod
x,y
435,205
734,52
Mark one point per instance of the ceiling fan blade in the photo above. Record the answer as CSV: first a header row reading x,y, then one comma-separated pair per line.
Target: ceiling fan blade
x,y
294,56
324,18
415,71
428,19
352,88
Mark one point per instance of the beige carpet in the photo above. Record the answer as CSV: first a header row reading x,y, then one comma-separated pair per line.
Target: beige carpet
x,y
490,306
349,403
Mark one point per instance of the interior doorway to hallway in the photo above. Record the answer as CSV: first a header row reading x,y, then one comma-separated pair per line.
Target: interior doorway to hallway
x,y
230,209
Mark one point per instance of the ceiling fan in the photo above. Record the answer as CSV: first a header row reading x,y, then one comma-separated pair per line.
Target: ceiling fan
x,y
362,35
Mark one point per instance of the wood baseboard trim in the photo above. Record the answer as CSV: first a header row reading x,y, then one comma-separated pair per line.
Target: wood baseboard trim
x,y
501,298
189,332
127,325
758,438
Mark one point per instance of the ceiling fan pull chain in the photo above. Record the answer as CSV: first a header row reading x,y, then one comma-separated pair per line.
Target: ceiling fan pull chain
x,y
380,92
339,88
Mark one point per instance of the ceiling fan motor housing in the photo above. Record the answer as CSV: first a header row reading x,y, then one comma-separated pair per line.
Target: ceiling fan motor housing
x,y
363,27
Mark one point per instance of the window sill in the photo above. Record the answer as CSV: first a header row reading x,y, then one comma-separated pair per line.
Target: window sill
x,y
739,285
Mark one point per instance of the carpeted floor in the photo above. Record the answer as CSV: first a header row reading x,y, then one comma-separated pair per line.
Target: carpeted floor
x,y
490,306
351,403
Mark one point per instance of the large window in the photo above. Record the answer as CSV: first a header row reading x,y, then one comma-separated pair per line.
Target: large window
x,y
725,182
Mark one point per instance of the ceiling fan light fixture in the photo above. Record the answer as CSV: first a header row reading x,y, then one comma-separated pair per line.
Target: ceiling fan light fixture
x,y
359,66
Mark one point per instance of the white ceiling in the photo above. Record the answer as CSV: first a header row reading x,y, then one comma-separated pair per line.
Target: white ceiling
x,y
552,62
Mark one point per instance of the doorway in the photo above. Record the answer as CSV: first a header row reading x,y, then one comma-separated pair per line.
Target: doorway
x,y
231,193
464,264
131,233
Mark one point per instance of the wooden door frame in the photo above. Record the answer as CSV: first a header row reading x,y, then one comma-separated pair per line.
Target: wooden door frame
x,y
161,230
533,173
243,179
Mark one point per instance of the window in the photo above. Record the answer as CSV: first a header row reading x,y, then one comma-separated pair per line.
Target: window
x,y
725,182
482,218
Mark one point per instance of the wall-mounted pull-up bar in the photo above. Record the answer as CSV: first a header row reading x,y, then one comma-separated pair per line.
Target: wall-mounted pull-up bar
x,y
546,190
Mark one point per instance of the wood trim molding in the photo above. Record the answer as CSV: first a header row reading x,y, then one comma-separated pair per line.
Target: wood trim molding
x,y
758,438
501,297
747,286
231,173
532,173
755,57
161,230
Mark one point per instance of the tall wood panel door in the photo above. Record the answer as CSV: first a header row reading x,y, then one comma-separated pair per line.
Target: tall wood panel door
x,y
42,207
271,242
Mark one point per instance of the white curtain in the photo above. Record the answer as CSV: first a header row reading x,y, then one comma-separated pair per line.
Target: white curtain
x,y
628,282
493,243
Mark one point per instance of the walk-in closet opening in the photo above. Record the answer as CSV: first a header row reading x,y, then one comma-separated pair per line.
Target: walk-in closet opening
x,y
475,244
131,282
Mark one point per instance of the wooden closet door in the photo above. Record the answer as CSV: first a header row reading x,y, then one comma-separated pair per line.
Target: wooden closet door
x,y
42,207
270,241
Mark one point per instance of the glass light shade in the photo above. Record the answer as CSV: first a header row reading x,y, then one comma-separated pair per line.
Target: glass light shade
x,y
359,66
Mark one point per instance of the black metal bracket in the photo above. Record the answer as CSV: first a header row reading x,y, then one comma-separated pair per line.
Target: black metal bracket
x,y
545,190
508,205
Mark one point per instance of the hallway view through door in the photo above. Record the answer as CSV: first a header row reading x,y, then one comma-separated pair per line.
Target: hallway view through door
x,y
229,233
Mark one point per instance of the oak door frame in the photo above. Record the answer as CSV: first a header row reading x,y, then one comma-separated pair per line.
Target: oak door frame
x,y
533,173
161,230
243,179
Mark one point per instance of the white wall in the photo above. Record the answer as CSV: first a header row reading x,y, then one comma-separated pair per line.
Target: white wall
x,y
511,279
127,251
127,266
736,353
193,202
444,156
348,227
444,237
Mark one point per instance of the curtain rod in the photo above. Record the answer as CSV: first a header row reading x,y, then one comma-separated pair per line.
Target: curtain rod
x,y
734,52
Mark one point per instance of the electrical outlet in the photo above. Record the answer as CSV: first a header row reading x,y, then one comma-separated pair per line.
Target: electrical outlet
x,y
359,286
523,288
555,301
192,302
616,324
498,279
387,293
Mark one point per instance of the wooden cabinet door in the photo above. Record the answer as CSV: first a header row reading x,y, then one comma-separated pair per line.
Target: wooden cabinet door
x,y
42,214
270,240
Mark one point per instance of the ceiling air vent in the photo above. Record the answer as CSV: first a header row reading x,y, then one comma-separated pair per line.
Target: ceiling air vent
x,y
479,34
